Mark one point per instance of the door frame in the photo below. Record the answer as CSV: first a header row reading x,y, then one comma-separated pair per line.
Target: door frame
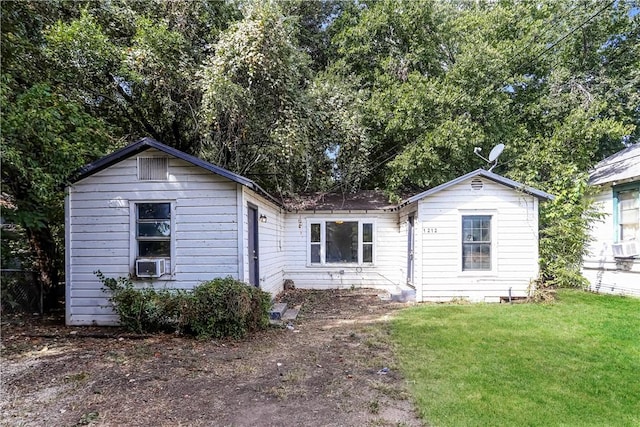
x,y
253,247
411,248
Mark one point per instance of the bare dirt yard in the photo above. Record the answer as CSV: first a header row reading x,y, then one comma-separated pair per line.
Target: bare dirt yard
x,y
335,367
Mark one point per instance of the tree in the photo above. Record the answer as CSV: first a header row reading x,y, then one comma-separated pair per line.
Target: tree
x,y
535,76
69,68
134,64
256,109
45,137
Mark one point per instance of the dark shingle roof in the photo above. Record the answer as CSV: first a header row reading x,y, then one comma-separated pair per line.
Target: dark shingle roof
x,y
365,200
621,166
147,143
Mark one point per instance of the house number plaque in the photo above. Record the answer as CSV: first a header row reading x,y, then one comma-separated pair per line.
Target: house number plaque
x,y
430,230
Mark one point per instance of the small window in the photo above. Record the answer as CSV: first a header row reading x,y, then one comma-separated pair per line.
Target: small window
x,y
367,242
340,242
628,213
153,230
476,243
315,243
153,168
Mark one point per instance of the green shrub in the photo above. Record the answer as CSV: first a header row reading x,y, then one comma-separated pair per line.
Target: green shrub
x,y
227,307
217,308
145,309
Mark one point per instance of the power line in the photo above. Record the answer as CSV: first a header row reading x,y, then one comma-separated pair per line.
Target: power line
x,y
582,24
546,50
383,158
548,28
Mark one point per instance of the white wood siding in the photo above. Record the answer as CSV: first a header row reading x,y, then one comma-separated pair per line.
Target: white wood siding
x,y
99,232
439,274
605,273
388,270
271,255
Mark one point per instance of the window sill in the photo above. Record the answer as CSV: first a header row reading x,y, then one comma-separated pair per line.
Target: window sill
x,y
483,273
164,278
341,265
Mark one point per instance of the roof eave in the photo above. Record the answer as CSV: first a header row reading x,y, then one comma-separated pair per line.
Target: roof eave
x,y
486,174
148,143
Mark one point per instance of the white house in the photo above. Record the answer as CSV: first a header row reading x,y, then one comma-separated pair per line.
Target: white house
x,y
168,219
612,264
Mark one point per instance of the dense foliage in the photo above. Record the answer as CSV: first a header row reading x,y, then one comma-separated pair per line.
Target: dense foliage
x,y
214,309
321,95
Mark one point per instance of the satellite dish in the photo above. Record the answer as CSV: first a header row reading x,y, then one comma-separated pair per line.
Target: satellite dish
x,y
495,152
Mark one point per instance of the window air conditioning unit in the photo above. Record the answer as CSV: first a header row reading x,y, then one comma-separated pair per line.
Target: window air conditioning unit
x,y
150,267
626,249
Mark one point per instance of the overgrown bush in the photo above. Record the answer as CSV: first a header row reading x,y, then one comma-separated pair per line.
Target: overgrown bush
x,y
145,309
217,308
227,307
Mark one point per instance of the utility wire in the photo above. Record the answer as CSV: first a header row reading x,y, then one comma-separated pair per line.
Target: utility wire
x,y
546,30
582,24
383,158
538,56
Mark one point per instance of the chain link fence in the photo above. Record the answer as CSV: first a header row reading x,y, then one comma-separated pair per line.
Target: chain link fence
x,y
20,292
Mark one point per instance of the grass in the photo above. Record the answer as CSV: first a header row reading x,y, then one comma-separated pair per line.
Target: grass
x,y
574,362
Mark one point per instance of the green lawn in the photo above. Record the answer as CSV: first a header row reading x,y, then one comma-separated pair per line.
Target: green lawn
x,y
575,362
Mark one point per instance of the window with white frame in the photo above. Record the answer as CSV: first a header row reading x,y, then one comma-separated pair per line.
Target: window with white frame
x,y
341,242
627,212
153,230
476,243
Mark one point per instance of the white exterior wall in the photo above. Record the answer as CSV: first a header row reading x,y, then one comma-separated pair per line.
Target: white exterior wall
x,y
271,255
100,233
438,265
389,253
604,272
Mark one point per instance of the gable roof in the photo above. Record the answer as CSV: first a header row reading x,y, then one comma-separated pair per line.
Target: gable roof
x,y
147,143
363,200
621,166
485,174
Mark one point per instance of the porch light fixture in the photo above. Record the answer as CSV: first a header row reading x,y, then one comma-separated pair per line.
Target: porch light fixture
x,y
263,218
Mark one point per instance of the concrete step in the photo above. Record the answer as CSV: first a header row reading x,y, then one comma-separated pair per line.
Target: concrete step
x,y
279,313
404,295
277,310
290,314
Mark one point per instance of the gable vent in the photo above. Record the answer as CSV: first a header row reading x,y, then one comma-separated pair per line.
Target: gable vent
x,y
476,184
153,168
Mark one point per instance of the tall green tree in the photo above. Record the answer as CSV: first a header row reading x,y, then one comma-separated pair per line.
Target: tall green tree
x,y
134,63
79,79
538,77
256,109
44,138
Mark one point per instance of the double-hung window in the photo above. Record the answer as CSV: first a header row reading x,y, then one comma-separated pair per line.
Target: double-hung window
x,y
627,212
476,243
153,230
341,242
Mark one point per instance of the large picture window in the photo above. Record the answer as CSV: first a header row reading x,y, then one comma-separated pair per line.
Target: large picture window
x,y
153,230
476,243
341,242
627,219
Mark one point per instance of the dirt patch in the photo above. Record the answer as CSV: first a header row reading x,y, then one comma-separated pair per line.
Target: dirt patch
x,y
334,368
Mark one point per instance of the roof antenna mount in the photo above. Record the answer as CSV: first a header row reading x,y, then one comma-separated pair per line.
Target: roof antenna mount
x,y
493,155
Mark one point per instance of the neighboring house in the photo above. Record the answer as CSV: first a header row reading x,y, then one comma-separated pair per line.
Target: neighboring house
x,y
613,261
169,219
